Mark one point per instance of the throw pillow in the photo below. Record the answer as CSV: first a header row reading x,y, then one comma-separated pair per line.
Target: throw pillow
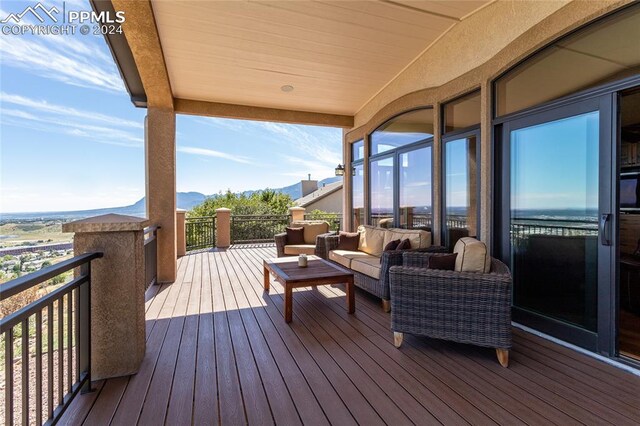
x,y
392,245
404,245
295,236
446,262
348,241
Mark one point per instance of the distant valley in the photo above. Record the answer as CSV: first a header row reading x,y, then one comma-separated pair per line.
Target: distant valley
x,y
185,200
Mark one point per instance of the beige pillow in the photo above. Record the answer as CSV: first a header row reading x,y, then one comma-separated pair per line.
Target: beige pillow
x,y
417,237
312,230
371,239
472,256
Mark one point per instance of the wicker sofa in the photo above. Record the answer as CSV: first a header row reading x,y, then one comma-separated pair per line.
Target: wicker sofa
x,y
465,307
371,267
312,230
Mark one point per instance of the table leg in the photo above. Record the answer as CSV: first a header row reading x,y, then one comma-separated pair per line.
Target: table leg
x,y
351,297
266,279
288,303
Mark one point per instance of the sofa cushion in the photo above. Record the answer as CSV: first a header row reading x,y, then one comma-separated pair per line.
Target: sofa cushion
x,y
344,257
312,228
371,239
418,237
446,262
348,241
299,249
391,245
472,256
369,266
295,235
404,245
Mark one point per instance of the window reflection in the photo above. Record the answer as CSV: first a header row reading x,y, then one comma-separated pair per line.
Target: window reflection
x,y
461,189
415,189
382,192
357,195
402,130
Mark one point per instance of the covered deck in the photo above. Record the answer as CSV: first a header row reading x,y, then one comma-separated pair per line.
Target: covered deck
x,y
219,351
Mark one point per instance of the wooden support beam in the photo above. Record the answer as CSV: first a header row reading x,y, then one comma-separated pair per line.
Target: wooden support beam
x,y
142,36
246,112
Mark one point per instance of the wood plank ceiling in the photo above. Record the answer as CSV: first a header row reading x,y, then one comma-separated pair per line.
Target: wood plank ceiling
x,y
335,54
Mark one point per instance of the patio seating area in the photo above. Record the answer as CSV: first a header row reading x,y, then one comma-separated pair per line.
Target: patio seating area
x,y
218,349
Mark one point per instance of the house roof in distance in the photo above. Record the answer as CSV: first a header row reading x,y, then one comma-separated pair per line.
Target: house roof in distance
x,y
319,194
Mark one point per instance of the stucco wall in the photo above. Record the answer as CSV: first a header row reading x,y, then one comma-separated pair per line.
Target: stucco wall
x,y
469,57
332,203
466,46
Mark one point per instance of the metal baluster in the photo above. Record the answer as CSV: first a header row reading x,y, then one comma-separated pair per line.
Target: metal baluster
x,y
50,360
8,376
69,341
25,371
61,350
77,331
39,367
84,324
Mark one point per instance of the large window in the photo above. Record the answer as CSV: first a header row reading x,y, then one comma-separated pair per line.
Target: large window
x,y
382,192
357,184
605,51
461,169
401,171
357,195
415,188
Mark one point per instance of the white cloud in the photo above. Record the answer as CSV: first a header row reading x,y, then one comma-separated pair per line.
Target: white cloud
x,y
66,112
62,58
320,145
212,153
83,128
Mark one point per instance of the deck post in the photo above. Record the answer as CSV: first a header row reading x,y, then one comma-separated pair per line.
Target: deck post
x,y
223,227
160,159
118,339
181,232
297,213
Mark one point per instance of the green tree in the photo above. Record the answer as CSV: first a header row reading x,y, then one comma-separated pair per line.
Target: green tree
x,y
265,202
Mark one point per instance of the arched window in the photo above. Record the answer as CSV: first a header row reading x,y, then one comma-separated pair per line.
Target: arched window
x,y
605,51
400,192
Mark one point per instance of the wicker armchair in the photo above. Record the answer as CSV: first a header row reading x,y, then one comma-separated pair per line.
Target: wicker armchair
x,y
459,306
281,241
377,287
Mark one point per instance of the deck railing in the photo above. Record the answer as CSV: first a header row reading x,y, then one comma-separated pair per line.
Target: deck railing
x,y
257,228
523,228
56,329
200,232
334,219
151,255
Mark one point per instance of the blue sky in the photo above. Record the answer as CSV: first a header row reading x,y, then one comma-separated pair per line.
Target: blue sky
x,y
71,139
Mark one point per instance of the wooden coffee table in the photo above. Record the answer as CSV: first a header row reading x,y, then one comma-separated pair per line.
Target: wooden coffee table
x,y
318,272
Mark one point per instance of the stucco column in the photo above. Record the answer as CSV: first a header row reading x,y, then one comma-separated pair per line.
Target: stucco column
x,y
297,213
223,227
160,159
181,232
117,291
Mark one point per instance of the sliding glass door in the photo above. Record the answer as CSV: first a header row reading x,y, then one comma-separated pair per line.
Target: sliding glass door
x,y
556,217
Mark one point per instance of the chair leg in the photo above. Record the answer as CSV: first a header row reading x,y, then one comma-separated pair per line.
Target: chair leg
x,y
503,357
386,305
397,339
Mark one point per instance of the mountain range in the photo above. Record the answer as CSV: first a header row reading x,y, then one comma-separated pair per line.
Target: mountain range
x,y
184,200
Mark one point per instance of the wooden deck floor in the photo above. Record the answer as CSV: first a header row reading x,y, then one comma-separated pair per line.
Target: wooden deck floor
x,y
219,351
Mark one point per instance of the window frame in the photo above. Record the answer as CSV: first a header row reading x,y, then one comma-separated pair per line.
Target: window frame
x,y
451,137
395,154
349,171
